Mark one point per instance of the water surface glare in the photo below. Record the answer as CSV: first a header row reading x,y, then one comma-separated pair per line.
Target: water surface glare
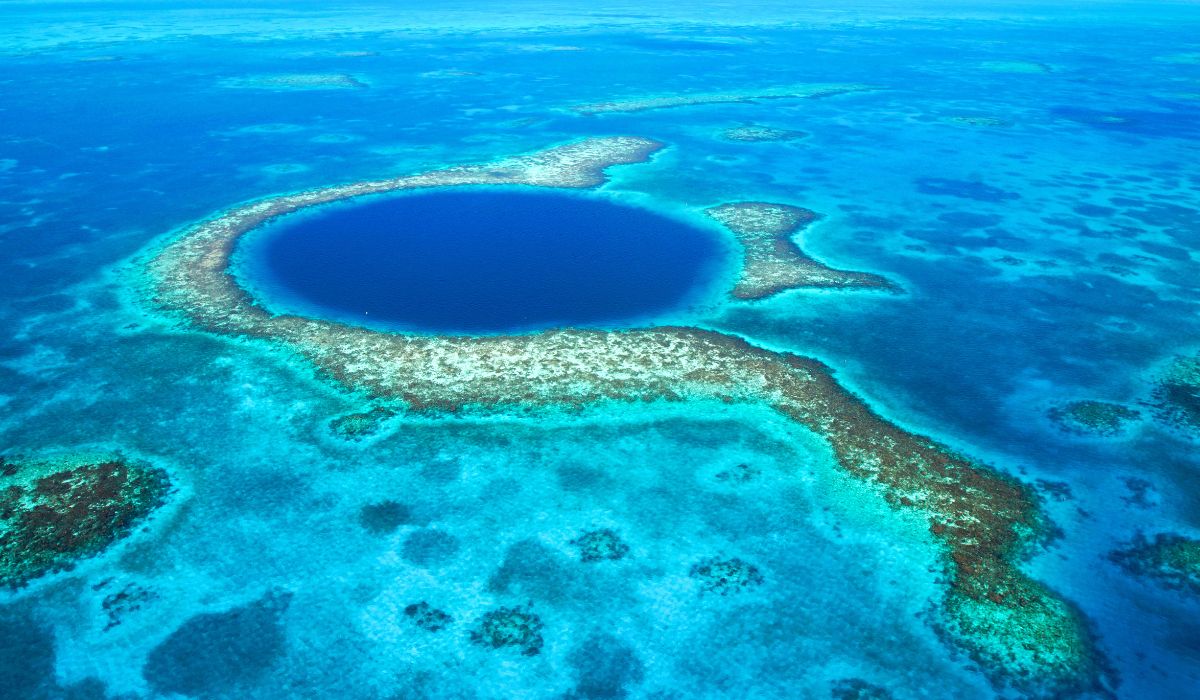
x,y
481,262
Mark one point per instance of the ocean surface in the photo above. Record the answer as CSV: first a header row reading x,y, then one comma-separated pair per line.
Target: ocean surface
x,y
1025,173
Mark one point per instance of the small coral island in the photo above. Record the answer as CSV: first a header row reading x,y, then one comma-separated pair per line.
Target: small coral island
x,y
1093,417
983,522
773,263
56,512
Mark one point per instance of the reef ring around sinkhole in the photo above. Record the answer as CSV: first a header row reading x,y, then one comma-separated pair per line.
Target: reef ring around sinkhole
x,y
1022,634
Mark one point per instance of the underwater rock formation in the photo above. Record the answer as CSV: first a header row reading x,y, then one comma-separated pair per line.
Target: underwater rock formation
x,y
758,134
128,599
427,617
983,522
725,576
1170,559
357,426
1093,417
514,627
857,689
56,512
1176,396
773,262
384,517
295,81
600,545
214,653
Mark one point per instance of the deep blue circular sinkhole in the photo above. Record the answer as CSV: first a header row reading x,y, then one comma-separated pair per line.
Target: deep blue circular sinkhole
x,y
481,262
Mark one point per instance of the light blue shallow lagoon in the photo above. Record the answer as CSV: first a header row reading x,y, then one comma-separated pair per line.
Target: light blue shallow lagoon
x,y
964,236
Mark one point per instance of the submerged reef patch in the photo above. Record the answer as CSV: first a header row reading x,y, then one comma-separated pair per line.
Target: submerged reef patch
x,y
773,262
1088,417
642,104
725,576
128,599
295,81
1019,631
358,426
515,627
758,134
600,545
56,512
857,689
1176,396
1171,560
427,617
384,517
214,653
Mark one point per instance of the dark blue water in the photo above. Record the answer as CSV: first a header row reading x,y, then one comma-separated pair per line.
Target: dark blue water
x,y
483,262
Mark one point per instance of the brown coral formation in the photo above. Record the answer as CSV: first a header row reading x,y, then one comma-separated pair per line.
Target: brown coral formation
x,y
773,262
1019,630
52,514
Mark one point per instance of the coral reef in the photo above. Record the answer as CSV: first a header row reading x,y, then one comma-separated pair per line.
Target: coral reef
x,y
358,426
55,512
510,627
757,134
773,263
1093,417
600,545
127,600
383,517
983,521
739,474
295,81
857,689
725,576
1170,559
427,617
794,92
1176,396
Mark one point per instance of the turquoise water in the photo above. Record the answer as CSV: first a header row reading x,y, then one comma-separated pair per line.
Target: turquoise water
x,y
483,262
1025,172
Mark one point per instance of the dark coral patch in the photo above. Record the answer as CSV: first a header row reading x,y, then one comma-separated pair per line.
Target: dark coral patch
x,y
118,604
1093,417
739,474
964,189
383,517
725,576
54,514
427,617
515,627
214,653
358,426
1171,560
605,667
857,689
600,545
429,547
1176,395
